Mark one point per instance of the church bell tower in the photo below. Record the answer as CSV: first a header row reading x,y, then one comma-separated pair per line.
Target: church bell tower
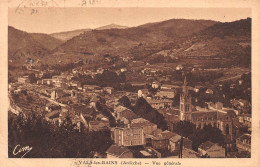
x,y
185,103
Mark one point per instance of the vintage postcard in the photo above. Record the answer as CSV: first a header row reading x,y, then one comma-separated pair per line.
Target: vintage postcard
x,y
129,83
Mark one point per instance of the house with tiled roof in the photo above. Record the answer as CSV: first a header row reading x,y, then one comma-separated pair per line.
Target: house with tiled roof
x,y
148,127
115,151
166,93
212,150
109,90
161,141
175,142
98,125
126,116
53,117
243,143
159,104
189,153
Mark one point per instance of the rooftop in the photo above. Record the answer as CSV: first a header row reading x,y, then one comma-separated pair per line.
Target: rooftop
x,y
206,145
117,150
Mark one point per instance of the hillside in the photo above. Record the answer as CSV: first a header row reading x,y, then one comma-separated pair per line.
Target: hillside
x,y
229,43
46,41
111,26
224,40
138,41
22,45
66,35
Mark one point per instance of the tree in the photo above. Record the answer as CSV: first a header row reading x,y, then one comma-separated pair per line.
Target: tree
x,y
184,128
32,78
145,110
106,112
51,141
208,133
125,101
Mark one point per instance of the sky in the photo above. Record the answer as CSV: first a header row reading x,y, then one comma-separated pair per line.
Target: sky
x,y
51,20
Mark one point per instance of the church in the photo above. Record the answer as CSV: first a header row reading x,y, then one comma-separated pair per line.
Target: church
x,y
216,115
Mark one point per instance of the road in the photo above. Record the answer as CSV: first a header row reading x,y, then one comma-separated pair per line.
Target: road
x,y
231,78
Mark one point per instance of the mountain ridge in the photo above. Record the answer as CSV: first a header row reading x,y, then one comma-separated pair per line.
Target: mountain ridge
x,y
179,37
109,40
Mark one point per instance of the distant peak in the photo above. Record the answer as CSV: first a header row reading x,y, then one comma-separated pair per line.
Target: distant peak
x,y
110,26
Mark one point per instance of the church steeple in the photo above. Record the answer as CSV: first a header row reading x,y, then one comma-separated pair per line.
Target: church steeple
x,y
184,88
185,81
185,103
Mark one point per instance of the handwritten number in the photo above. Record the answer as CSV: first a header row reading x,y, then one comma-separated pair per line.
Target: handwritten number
x,y
84,3
34,11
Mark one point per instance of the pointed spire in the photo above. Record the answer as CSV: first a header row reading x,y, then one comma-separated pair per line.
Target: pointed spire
x,y
185,81
185,90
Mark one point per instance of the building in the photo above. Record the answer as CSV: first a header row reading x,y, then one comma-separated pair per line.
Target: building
x,y
142,93
243,143
245,120
179,67
212,150
214,106
123,69
161,141
169,87
148,127
175,141
126,116
47,81
24,79
115,151
58,93
98,125
138,84
189,153
58,81
169,94
53,116
100,70
159,104
209,91
92,89
109,90
185,103
74,83
155,85
220,118
129,136
51,107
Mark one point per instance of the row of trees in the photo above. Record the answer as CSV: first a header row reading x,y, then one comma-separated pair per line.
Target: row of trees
x,y
145,110
197,135
50,141
107,78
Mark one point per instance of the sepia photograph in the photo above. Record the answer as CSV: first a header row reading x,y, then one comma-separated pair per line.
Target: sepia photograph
x,y
129,82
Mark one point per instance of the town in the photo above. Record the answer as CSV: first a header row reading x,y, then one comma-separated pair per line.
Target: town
x,y
138,109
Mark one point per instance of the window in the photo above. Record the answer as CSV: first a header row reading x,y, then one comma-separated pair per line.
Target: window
x,y
200,125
